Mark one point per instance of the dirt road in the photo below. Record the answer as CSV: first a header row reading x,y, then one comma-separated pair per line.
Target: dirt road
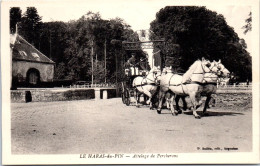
x,y
109,126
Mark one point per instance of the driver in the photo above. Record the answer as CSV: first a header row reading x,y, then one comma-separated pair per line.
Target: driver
x,y
132,60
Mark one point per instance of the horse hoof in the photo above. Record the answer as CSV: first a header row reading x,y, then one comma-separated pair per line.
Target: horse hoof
x,y
159,111
174,114
151,108
179,111
197,117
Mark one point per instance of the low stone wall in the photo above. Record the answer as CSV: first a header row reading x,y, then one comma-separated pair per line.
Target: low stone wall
x,y
17,96
51,95
229,99
234,99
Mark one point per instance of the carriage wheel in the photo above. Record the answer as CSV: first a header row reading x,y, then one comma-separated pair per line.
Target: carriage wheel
x,y
127,101
127,98
123,93
123,97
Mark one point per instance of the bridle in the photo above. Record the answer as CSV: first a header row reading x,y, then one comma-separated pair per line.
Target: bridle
x,y
211,71
155,76
221,69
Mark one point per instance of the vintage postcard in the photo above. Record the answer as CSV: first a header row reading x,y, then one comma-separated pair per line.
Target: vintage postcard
x,y
130,82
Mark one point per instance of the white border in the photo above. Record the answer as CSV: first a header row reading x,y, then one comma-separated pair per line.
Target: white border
x,y
183,158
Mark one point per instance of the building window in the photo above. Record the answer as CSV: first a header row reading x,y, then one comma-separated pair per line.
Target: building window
x,y
36,56
23,53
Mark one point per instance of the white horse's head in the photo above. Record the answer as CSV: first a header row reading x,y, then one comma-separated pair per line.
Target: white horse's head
x,y
155,72
197,70
222,70
205,64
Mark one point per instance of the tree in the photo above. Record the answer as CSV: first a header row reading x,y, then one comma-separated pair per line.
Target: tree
x,y
248,26
31,26
15,18
52,41
70,45
196,32
92,32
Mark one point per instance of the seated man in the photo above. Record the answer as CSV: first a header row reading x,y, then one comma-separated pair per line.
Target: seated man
x,y
131,62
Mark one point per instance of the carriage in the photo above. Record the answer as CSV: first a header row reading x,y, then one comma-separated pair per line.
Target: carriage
x,y
200,78
130,73
140,68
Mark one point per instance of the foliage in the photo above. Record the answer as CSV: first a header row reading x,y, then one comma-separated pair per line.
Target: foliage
x,y
248,26
30,26
74,44
71,45
15,17
195,32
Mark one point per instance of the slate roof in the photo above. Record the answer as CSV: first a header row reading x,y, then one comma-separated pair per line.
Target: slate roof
x,y
24,51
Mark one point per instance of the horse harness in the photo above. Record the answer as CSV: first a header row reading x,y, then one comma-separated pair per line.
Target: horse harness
x,y
147,83
195,82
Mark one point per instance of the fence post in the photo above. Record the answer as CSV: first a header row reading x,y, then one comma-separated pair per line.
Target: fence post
x,y
97,93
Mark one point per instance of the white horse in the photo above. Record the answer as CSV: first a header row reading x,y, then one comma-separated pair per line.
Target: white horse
x,y
147,85
168,94
209,83
187,85
167,70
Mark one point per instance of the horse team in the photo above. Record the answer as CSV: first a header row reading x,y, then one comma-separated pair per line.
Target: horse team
x,y
200,79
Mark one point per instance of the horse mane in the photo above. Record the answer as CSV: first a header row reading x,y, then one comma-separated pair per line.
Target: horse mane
x,y
188,73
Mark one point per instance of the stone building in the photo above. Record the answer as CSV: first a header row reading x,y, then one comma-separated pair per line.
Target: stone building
x,y
29,66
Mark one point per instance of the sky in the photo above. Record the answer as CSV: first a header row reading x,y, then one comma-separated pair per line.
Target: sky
x,y
137,13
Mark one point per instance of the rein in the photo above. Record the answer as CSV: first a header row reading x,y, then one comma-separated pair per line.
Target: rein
x,y
146,83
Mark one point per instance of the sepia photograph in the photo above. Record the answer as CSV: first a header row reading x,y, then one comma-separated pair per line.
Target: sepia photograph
x,y
130,82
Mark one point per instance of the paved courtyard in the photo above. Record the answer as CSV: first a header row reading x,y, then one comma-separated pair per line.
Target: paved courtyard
x,y
109,126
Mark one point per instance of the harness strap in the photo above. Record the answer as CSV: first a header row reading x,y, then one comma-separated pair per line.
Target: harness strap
x,y
145,84
200,83
141,83
170,80
183,89
194,82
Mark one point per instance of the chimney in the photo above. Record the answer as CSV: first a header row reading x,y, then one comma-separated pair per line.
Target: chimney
x,y
16,28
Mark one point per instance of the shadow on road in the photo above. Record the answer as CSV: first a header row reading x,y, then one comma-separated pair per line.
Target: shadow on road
x,y
209,113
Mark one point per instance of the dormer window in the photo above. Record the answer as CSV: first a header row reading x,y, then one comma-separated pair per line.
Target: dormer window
x,y
23,53
36,56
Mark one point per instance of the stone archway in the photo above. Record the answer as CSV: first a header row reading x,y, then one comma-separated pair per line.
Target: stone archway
x,y
33,77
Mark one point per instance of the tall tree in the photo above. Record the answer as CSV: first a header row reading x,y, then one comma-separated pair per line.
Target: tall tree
x,y
195,32
15,17
93,32
71,46
31,26
248,26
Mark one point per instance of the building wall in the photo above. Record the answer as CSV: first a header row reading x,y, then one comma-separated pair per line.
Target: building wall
x,y
20,68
